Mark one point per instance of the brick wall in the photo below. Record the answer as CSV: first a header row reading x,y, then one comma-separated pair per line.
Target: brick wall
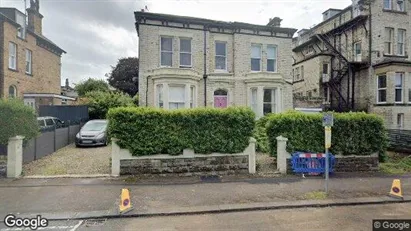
x,y
46,66
187,166
350,164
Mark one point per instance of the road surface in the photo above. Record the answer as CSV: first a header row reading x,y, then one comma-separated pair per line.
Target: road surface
x,y
334,218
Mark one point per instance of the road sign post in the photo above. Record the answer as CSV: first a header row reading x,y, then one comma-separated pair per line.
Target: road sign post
x,y
328,122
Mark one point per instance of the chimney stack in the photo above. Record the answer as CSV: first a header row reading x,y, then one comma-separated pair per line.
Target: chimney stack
x,y
34,17
275,22
67,83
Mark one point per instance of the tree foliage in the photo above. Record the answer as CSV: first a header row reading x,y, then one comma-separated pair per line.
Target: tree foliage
x,y
100,102
91,85
124,76
17,119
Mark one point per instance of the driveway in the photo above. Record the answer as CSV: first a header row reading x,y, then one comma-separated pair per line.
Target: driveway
x,y
72,160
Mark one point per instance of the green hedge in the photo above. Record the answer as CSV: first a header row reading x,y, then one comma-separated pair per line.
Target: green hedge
x,y
260,134
17,119
148,131
353,133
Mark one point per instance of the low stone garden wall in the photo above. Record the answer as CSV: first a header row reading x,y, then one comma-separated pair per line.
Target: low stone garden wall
x,y
189,163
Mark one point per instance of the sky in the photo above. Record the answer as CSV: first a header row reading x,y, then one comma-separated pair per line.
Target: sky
x,y
96,33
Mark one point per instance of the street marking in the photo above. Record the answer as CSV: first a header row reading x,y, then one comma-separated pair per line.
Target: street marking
x,y
76,226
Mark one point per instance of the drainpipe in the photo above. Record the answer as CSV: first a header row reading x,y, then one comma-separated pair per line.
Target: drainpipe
x,y
147,90
205,67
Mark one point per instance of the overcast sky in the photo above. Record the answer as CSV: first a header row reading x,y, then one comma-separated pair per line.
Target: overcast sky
x,y
96,33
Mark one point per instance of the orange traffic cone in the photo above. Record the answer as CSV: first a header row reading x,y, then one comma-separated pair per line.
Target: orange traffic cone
x,y
125,202
396,189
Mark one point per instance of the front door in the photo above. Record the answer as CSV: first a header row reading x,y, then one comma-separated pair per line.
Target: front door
x,y
220,101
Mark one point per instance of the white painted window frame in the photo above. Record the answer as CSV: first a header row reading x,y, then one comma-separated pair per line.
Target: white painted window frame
x,y
389,40
161,50
382,89
185,52
225,56
274,99
275,58
391,4
402,52
12,56
401,88
29,61
260,58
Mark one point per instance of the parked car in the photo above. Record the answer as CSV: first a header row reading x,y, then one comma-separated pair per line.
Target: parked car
x,y
93,133
49,122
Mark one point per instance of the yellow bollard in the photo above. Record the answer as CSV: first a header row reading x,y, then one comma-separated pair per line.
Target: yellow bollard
x,y
125,202
396,189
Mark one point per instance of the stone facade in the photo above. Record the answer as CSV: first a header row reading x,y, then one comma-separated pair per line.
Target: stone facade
x,y
188,166
350,164
359,88
236,80
44,75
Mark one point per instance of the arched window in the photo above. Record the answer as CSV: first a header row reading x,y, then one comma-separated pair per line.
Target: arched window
x,y
12,91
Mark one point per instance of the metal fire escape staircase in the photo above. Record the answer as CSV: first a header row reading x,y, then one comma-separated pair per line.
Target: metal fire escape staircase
x,y
334,82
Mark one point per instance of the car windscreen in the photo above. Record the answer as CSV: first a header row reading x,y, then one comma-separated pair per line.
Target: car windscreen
x,y
94,126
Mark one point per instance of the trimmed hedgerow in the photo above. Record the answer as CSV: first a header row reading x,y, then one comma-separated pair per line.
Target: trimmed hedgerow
x,y
353,133
148,131
17,119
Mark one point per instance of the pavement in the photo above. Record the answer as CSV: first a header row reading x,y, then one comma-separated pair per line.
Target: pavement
x,y
86,198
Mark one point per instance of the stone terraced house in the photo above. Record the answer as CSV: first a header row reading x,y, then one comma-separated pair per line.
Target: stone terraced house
x,y
358,58
188,62
30,64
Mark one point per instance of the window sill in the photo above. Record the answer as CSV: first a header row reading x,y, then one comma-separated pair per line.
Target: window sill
x,y
29,74
396,56
394,11
391,104
186,67
14,70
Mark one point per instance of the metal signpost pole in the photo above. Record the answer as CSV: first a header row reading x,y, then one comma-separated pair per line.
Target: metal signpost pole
x,y
326,161
328,122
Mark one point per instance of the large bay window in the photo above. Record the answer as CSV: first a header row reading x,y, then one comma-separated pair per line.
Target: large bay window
x,y
264,100
176,96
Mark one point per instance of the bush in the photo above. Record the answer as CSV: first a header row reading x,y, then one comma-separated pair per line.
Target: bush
x,y
148,131
17,119
100,102
353,133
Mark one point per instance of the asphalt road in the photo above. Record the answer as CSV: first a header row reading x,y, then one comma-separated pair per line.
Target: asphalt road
x,y
335,218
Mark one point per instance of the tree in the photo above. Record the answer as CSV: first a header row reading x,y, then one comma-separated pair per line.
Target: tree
x,y
100,102
91,85
124,76
17,119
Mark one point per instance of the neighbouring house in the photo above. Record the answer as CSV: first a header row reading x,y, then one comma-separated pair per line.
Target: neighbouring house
x,y
187,62
30,64
358,59
68,91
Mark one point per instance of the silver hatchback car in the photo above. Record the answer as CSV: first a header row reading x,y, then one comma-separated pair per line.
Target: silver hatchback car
x,y
93,133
